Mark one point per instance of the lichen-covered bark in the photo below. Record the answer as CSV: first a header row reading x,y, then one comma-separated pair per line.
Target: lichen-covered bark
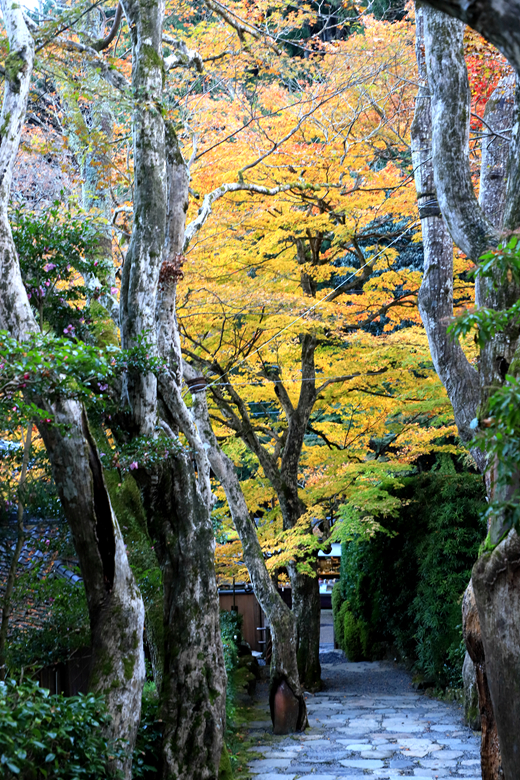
x,y
451,107
436,294
194,683
176,493
475,227
144,257
495,20
284,665
115,605
499,119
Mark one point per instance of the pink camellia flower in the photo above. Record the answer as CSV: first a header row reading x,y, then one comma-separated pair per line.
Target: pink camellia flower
x,y
113,290
134,465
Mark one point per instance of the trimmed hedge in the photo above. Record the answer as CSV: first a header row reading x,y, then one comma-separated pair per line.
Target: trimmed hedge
x,y
403,590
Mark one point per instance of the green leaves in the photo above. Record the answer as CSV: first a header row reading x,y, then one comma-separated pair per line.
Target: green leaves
x,y
52,736
501,265
61,267
49,367
498,428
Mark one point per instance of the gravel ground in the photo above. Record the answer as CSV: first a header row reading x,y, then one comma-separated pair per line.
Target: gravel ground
x,y
362,678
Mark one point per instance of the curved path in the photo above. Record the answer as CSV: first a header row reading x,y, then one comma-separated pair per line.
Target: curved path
x,y
369,722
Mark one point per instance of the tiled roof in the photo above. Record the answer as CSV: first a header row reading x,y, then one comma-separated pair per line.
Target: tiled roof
x,y
39,549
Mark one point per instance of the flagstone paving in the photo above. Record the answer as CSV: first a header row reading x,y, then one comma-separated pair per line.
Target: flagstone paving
x,y
369,722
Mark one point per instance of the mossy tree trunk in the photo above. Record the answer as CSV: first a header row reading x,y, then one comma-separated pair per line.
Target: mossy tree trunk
x,y
176,492
475,226
115,605
194,678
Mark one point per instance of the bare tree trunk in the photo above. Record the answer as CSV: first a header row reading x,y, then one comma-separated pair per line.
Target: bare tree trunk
x,y
491,766
20,538
475,227
290,714
115,605
194,683
307,610
495,20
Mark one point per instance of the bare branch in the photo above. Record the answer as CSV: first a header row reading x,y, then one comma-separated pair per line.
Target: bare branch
x,y
94,60
241,26
104,43
183,57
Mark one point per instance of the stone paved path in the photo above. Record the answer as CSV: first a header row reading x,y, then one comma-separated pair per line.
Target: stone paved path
x,y
369,722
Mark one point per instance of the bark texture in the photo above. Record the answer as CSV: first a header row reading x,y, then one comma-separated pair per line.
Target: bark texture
x,y
495,20
491,765
496,581
194,681
436,294
475,226
144,257
176,493
284,665
115,605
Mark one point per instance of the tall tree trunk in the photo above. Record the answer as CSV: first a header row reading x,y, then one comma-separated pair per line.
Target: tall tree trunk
x,y
194,682
475,227
305,587
115,605
491,765
495,20
307,610
288,711
177,494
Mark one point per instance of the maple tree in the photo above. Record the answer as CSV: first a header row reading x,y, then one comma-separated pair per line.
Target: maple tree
x,y
321,246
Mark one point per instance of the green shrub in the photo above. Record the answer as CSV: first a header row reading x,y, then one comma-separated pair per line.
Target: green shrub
x,y
403,590
230,630
46,737
337,602
354,637
445,557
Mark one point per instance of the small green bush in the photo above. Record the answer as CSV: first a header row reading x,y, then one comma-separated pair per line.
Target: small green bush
x,y
353,635
230,630
46,737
